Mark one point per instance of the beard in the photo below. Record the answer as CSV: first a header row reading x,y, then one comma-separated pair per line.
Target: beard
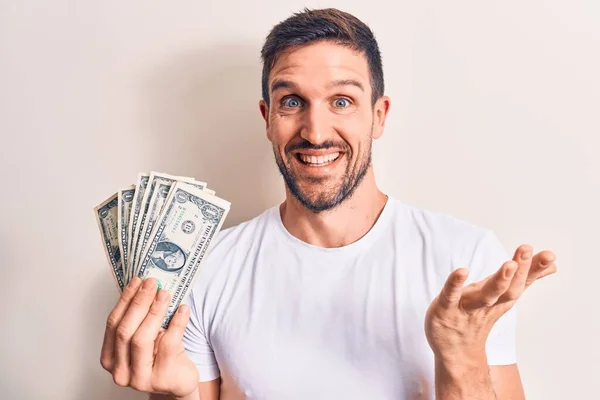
x,y
329,196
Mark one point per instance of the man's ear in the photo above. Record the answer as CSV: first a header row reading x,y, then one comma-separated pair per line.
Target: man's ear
x,y
264,111
380,113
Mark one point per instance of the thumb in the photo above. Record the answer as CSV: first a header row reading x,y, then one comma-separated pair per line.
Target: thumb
x,y
452,289
173,337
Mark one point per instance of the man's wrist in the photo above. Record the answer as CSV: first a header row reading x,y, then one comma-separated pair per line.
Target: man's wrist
x,y
467,377
456,367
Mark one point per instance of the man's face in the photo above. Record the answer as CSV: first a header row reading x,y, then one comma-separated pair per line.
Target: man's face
x,y
321,122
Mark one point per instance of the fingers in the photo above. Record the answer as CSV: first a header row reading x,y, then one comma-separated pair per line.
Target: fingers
x,y
548,271
523,257
173,337
107,353
494,287
506,285
157,341
137,311
143,342
542,265
451,292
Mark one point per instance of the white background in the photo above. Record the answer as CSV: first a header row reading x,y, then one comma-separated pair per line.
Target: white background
x,y
494,119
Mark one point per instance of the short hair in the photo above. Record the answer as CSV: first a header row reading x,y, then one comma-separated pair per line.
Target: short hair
x,y
330,24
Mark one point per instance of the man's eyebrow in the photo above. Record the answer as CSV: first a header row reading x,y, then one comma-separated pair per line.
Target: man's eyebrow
x,y
347,82
278,84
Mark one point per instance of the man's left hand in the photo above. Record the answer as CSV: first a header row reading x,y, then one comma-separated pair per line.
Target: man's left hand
x,y
459,319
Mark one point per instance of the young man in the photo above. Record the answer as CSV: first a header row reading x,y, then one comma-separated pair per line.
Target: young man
x,y
341,292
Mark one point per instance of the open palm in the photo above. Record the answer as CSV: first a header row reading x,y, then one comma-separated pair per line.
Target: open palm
x,y
460,318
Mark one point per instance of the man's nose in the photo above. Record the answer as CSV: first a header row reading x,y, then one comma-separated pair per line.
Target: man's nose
x,y
316,125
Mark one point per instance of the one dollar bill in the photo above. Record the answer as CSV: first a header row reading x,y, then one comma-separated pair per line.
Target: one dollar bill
x,y
156,204
125,202
107,219
141,224
132,227
182,235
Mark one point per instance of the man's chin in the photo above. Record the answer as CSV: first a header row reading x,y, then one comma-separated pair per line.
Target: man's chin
x,y
317,202
316,193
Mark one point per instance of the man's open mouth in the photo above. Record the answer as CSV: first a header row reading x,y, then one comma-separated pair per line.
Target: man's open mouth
x,y
318,161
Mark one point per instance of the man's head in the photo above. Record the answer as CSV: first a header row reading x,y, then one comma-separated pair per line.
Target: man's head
x,y
323,103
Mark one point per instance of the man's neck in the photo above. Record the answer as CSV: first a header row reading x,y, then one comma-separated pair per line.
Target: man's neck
x,y
345,224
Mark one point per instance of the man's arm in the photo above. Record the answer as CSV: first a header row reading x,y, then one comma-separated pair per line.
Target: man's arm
x,y
475,380
507,383
206,391
463,379
459,321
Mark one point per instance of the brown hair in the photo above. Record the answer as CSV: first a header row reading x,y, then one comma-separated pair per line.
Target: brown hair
x,y
310,26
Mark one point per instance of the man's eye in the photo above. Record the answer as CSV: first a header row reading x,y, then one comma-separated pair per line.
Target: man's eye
x,y
291,102
341,103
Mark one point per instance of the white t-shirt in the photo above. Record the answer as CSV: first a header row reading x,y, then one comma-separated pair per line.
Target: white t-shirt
x,y
287,320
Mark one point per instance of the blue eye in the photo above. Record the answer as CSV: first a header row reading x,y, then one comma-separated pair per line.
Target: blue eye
x,y
292,102
342,103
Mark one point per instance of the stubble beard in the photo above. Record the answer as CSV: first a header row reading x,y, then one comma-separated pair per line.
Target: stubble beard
x,y
328,199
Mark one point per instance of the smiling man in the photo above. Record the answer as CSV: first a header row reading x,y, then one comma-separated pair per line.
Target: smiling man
x,y
341,291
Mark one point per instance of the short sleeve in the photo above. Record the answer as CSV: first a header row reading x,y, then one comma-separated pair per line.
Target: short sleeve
x,y
488,257
196,344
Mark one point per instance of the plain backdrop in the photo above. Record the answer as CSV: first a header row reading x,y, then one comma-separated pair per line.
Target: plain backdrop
x,y
494,120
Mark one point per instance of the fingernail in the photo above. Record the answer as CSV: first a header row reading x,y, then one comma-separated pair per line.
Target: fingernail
x,y
182,310
162,296
135,283
526,256
510,271
148,284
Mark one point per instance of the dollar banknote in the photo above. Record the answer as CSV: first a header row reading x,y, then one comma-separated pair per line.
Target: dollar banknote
x,y
143,212
173,219
159,196
156,203
140,190
108,223
182,235
124,203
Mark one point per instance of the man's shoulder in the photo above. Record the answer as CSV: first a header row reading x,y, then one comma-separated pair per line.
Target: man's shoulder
x,y
442,224
229,248
241,234
453,238
463,242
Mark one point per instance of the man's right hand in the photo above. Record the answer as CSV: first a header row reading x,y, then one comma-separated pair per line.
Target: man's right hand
x,y
141,355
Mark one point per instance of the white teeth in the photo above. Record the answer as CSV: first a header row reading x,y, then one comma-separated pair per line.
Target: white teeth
x,y
320,160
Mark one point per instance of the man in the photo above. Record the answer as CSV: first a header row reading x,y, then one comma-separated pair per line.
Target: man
x,y
341,292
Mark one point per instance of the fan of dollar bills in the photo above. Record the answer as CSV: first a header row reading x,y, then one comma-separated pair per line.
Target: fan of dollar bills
x,y
162,227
